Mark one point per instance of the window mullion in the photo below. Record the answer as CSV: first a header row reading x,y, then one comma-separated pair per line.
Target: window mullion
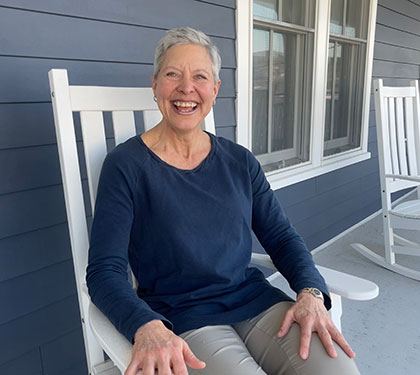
x,y
320,81
344,16
270,93
334,77
352,89
280,9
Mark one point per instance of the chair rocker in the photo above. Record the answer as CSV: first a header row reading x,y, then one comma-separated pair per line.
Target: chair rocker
x,y
397,112
99,334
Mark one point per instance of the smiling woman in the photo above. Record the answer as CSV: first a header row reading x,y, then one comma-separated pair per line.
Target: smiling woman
x,y
185,88
179,205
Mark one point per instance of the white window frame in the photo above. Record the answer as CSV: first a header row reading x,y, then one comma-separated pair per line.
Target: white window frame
x,y
317,164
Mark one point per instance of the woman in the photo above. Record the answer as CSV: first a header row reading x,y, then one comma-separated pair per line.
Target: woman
x,y
179,205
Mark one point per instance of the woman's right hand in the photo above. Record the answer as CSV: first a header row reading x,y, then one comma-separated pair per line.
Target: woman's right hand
x,y
157,347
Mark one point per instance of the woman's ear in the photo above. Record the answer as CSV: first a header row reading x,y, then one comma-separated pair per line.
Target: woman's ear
x,y
154,84
216,88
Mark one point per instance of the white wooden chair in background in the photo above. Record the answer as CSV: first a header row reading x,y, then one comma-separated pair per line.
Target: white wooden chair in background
x,y
397,112
99,334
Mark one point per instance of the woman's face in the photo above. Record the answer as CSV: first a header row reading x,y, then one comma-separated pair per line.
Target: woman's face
x,y
185,88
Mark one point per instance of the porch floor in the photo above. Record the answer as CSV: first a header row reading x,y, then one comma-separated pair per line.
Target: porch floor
x,y
384,332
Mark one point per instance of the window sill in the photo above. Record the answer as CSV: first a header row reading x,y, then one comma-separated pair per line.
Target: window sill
x,y
282,178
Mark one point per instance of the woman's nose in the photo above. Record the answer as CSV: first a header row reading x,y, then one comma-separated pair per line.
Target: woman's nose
x,y
186,85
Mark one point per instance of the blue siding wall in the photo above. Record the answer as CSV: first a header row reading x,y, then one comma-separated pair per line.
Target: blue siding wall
x,y
101,43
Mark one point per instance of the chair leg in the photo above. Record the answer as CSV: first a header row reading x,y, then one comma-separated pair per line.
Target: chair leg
x,y
388,239
404,242
405,271
106,368
336,310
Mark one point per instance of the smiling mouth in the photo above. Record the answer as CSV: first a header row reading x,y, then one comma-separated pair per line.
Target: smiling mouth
x,y
185,107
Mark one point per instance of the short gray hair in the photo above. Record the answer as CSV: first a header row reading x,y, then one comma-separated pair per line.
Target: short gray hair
x,y
187,35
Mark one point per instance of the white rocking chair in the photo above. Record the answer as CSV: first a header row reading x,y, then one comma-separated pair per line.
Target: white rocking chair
x,y
99,334
398,132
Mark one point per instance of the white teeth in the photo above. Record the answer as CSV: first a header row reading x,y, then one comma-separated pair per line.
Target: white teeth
x,y
185,104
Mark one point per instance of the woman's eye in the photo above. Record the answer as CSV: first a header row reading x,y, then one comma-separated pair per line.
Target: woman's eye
x,y
171,74
201,76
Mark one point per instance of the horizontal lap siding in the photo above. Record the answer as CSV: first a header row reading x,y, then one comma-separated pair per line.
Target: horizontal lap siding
x,y
100,43
324,206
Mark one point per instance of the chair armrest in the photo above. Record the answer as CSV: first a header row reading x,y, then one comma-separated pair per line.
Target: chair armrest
x,y
113,343
403,177
116,346
343,284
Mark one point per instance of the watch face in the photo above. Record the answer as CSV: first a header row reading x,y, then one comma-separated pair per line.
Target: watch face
x,y
317,292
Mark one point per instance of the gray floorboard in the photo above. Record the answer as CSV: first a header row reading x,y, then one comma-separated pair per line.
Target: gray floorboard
x,y
384,332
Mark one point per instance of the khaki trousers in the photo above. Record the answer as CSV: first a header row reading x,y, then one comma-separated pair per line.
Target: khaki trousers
x,y
251,347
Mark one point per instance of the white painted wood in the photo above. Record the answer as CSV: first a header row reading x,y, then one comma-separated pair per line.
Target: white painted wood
x,y
345,285
398,92
337,311
363,250
151,119
319,87
208,123
97,98
416,123
304,172
106,368
124,125
94,144
398,128
244,72
368,73
401,137
114,343
411,143
403,241
391,127
76,217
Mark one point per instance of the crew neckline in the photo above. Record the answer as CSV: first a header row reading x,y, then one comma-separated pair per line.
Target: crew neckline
x,y
197,168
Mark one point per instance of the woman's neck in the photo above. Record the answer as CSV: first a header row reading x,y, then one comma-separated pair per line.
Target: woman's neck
x,y
184,150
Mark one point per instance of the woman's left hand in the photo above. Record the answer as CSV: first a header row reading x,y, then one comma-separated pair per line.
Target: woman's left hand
x,y
312,316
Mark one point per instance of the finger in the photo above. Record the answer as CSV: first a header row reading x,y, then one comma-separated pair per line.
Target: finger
x,y
178,366
286,324
190,359
326,340
340,340
163,368
133,367
148,367
305,340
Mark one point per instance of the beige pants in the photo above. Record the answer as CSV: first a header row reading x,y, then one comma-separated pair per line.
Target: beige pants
x,y
252,348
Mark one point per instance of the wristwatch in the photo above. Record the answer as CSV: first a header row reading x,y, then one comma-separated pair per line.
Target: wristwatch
x,y
314,291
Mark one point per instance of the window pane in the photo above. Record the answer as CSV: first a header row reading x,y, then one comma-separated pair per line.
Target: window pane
x,y
298,12
266,9
283,100
356,19
343,125
336,17
261,55
288,130
329,96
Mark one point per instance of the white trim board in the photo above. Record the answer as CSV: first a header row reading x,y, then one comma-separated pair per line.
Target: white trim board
x,y
318,164
357,225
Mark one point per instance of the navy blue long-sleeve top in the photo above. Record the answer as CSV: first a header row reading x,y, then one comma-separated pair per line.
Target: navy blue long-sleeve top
x,y
187,236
